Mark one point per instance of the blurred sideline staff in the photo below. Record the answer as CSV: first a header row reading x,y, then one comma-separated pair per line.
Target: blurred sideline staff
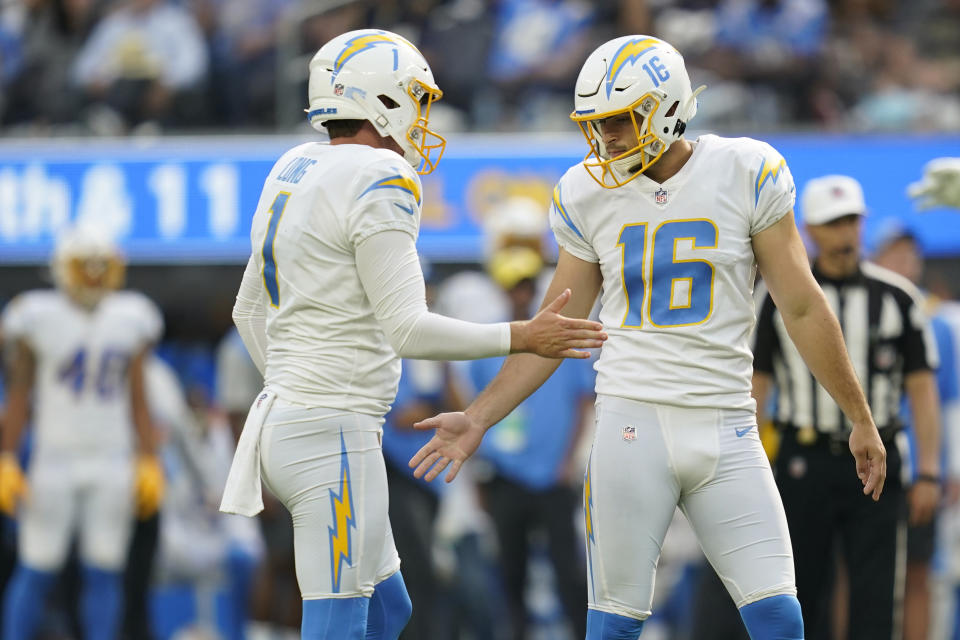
x,y
892,349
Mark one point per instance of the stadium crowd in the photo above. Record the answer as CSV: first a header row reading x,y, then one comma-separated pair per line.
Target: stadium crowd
x,y
114,66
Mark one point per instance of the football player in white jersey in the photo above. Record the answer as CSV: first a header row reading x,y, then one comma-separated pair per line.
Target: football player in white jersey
x,y
80,351
332,298
673,230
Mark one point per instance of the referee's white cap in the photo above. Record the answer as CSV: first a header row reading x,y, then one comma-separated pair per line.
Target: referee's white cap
x,y
827,198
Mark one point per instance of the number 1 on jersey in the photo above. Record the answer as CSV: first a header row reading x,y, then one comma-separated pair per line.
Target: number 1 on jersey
x,y
269,257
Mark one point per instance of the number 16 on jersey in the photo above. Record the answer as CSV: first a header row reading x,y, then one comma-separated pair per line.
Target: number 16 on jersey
x,y
680,291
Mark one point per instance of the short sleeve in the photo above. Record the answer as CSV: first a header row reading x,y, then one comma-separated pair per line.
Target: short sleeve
x,y
566,228
151,321
919,343
773,189
388,198
17,318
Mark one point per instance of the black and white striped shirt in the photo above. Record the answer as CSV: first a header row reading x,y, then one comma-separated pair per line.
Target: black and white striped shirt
x,y
887,335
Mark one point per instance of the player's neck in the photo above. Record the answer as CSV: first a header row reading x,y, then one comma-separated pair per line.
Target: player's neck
x,y
672,161
369,136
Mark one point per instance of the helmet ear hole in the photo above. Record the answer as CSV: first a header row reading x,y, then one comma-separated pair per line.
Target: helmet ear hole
x,y
388,102
672,110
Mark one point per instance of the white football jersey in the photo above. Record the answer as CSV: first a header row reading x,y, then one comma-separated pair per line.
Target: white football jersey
x,y
678,269
81,389
325,347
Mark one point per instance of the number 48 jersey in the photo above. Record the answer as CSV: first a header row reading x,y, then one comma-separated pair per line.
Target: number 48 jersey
x,y
678,269
81,387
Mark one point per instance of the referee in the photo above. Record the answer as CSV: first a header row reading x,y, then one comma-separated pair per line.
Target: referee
x,y
892,350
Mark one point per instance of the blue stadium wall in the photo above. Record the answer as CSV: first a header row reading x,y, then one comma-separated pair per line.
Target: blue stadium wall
x,y
183,200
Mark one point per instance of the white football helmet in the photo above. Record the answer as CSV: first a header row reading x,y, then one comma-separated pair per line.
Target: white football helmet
x,y
86,265
381,77
641,76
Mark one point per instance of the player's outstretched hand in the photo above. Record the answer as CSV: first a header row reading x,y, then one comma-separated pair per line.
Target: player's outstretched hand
x,y
871,457
940,186
457,436
552,335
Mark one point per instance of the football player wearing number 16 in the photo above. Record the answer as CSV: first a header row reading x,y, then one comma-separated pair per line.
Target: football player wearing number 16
x,y
332,298
673,229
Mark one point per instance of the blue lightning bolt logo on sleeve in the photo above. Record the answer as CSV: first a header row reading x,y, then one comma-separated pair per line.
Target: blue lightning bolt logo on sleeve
x,y
558,203
343,521
400,182
771,172
629,52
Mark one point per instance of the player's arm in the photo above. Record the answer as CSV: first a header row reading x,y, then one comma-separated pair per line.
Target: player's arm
x,y
459,434
21,370
250,317
140,412
816,333
389,269
149,484
921,388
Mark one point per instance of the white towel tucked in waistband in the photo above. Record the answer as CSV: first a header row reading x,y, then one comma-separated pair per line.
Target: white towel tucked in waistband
x,y
242,494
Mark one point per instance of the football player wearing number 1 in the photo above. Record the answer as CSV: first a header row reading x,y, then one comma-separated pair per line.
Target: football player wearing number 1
x,y
673,230
80,350
332,298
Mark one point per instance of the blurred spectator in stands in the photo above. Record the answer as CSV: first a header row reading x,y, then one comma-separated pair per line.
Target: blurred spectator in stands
x,y
54,32
538,47
242,40
11,53
772,46
276,598
907,92
144,62
536,476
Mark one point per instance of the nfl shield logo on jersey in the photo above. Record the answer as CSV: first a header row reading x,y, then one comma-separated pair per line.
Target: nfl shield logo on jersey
x,y
629,433
660,195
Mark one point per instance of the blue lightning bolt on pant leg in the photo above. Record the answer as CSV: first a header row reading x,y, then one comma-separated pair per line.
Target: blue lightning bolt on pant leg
x,y
101,603
390,609
24,601
334,619
609,626
773,618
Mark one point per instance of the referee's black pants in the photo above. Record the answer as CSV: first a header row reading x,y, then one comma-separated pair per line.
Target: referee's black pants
x,y
825,505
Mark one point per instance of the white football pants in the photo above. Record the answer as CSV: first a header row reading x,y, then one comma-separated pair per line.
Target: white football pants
x,y
648,459
92,495
327,468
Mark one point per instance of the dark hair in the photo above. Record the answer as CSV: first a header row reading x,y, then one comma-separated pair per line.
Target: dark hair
x,y
343,128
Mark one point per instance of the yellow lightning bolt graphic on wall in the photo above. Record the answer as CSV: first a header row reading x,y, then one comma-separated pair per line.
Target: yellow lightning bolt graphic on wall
x,y
629,52
771,172
343,521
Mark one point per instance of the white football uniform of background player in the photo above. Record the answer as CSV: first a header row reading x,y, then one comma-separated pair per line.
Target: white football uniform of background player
x,y
330,369
675,418
82,460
